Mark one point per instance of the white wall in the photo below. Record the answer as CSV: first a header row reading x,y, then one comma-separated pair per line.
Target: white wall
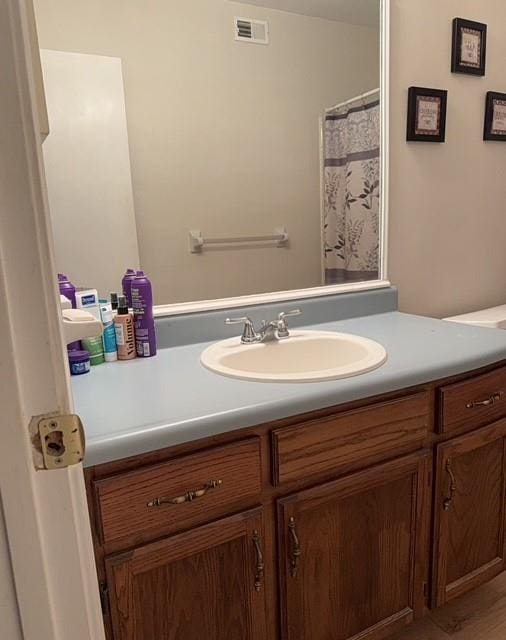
x,y
447,202
223,135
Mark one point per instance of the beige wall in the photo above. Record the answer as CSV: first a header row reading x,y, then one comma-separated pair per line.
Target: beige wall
x,y
223,135
447,202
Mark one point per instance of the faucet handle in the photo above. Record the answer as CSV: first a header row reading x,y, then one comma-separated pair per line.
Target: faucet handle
x,y
287,314
249,334
282,326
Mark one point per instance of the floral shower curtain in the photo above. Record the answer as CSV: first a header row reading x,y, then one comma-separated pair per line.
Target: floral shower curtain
x,y
351,191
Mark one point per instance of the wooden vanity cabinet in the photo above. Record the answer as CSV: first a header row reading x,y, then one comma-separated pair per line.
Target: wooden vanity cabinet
x,y
352,553
472,403
205,583
343,524
469,536
179,494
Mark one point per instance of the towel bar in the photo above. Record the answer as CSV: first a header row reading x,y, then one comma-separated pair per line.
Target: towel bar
x,y
198,242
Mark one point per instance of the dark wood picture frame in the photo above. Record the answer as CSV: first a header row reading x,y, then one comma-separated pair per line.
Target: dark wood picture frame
x,y
495,124
418,130
476,34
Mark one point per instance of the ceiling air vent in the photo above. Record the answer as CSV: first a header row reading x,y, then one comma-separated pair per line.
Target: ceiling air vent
x,y
247,30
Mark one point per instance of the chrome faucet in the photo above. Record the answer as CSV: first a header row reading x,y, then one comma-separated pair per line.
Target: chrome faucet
x,y
269,331
249,335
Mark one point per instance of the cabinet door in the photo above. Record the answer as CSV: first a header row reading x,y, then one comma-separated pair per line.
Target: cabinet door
x,y
469,518
354,553
206,583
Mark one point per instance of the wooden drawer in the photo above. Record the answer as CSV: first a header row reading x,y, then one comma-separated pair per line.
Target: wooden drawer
x,y
472,403
194,488
350,439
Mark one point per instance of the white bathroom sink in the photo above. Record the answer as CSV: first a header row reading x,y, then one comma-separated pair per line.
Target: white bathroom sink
x,y
306,356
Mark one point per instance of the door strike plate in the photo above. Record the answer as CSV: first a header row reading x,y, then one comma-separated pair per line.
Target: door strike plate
x,y
62,441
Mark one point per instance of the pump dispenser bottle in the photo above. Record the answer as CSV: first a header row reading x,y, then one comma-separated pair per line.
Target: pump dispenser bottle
x,y
109,334
125,335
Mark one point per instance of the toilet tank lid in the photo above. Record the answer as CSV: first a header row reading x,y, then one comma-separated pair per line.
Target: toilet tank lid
x,y
495,317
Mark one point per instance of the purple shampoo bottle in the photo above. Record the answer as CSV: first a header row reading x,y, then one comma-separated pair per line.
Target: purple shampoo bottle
x,y
126,285
68,290
142,303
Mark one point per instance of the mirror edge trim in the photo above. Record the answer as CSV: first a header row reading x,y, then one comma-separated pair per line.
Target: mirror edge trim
x,y
183,308
384,134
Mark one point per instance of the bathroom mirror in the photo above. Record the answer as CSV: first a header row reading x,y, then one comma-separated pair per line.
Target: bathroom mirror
x,y
226,148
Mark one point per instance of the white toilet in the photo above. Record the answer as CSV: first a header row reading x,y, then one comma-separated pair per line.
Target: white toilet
x,y
494,318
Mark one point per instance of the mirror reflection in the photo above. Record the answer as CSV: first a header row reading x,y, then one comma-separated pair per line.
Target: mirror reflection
x,y
225,148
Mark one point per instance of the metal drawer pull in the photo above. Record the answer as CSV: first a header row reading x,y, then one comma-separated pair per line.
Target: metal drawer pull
x,y
260,566
453,485
485,403
189,496
295,552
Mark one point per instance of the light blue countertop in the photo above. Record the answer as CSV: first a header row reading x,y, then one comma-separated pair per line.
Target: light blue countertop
x,y
142,405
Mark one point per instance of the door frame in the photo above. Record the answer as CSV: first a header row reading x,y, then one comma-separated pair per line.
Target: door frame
x,y
46,517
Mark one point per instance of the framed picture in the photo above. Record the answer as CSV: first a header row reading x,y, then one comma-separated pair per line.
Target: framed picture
x,y
426,115
495,117
469,47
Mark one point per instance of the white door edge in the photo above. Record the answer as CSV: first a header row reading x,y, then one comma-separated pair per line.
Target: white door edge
x,y
45,512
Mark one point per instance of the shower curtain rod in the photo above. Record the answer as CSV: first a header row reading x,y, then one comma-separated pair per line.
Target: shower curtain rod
x,y
367,94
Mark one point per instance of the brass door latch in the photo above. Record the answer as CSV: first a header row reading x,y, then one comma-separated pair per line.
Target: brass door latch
x,y
58,441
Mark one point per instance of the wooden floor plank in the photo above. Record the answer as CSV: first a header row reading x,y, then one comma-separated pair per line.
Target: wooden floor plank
x,y
480,615
423,630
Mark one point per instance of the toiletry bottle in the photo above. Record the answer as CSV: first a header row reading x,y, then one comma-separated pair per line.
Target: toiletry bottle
x,y
124,326
94,346
126,285
114,301
79,362
142,303
109,335
68,290
87,299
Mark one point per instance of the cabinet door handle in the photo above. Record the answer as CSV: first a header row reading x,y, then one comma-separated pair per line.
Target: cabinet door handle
x,y
260,566
295,552
189,496
485,403
453,485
